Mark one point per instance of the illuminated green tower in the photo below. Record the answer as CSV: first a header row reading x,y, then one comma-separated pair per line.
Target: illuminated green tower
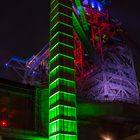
x,y
62,96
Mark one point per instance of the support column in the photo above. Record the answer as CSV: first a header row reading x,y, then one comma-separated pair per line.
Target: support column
x,y
62,93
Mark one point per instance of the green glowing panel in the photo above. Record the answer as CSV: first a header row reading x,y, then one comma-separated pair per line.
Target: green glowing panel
x,y
62,110
59,68
63,137
62,82
61,55
63,72
61,38
61,43
60,18
62,96
64,29
53,1
59,33
60,5
59,22
63,125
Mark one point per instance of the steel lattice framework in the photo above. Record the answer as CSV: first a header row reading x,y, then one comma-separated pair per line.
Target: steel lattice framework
x,y
104,65
33,70
112,78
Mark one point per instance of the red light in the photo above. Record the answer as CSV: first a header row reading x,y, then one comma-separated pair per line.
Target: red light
x,y
3,123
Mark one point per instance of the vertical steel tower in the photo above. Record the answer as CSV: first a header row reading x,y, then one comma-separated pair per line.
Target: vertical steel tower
x,y
62,98
113,78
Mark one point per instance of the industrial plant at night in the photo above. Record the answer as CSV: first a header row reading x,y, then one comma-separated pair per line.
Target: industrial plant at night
x,y
81,86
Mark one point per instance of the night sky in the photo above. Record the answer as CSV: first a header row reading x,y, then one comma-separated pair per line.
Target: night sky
x,y
24,28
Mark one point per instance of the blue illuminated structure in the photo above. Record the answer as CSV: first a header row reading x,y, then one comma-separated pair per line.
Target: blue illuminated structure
x,y
97,4
31,70
94,4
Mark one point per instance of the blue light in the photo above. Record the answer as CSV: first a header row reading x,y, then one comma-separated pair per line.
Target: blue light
x,y
77,12
93,5
99,6
72,6
6,64
85,2
96,4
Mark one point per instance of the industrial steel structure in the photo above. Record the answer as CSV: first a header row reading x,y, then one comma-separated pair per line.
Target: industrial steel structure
x,y
87,57
101,55
111,77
